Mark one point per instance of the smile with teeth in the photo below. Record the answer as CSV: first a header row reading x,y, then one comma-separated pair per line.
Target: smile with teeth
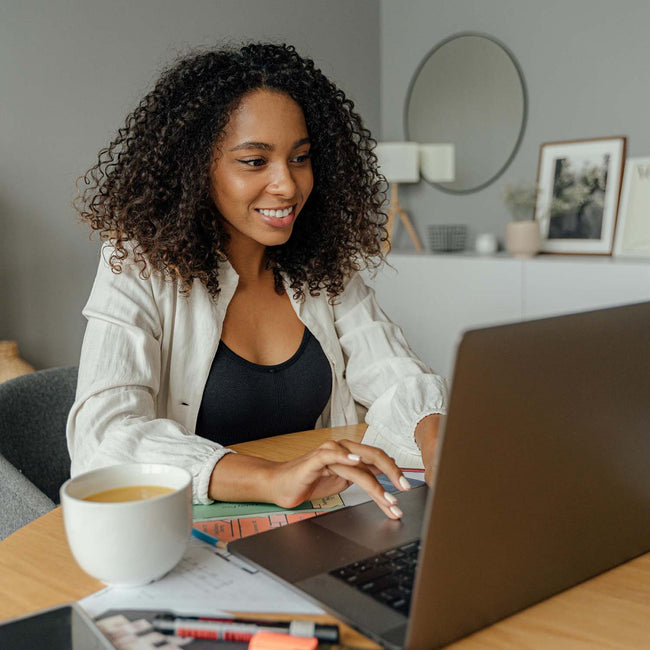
x,y
278,214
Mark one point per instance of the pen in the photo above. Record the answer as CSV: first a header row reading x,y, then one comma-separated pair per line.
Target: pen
x,y
234,629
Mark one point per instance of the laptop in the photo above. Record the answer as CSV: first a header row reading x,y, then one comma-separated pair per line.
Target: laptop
x,y
542,482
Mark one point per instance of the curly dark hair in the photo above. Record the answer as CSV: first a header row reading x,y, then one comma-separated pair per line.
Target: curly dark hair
x,y
149,193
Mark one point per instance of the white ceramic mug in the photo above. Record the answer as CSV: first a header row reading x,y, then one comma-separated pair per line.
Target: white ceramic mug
x,y
128,543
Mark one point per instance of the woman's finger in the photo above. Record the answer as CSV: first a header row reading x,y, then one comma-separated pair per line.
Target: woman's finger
x,y
374,457
366,480
324,456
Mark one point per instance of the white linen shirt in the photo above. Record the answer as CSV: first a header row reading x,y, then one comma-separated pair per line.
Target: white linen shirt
x,y
147,353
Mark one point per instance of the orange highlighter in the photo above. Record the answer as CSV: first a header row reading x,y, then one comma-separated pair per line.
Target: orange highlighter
x,y
278,641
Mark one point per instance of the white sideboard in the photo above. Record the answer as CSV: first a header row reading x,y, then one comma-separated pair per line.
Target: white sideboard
x,y
434,298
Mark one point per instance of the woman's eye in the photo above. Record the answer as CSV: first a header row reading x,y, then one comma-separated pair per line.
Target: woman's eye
x,y
302,158
253,162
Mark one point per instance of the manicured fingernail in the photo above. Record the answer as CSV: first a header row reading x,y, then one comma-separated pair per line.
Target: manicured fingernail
x,y
354,457
396,511
403,481
390,498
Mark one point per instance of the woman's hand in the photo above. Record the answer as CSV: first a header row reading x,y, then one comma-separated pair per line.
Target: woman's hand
x,y
326,470
333,467
426,437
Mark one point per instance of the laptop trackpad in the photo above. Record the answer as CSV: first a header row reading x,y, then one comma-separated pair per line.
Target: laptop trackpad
x,y
314,546
298,551
367,525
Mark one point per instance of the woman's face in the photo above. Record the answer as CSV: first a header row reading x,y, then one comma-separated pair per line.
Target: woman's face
x,y
261,175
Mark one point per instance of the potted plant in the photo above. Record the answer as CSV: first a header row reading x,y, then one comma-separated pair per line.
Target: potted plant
x,y
523,237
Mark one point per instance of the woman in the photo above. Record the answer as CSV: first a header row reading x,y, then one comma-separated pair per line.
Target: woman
x,y
237,204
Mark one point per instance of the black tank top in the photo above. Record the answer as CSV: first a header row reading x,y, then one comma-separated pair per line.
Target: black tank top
x,y
246,401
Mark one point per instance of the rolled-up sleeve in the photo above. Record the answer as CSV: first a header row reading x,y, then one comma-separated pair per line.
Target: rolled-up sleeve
x,y
384,374
115,416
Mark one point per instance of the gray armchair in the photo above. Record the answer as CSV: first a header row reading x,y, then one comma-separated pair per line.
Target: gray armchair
x,y
34,460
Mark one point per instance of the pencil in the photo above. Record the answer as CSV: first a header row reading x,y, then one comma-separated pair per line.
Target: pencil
x,y
209,539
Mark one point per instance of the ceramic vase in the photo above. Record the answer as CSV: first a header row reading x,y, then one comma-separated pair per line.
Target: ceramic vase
x,y
523,238
11,365
486,244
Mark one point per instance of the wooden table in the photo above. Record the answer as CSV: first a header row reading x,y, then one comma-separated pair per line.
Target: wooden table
x,y
610,611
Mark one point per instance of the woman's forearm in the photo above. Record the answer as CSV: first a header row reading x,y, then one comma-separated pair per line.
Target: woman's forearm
x,y
426,438
237,477
326,470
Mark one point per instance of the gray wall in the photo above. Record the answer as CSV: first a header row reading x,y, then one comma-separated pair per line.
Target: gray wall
x,y
586,68
69,73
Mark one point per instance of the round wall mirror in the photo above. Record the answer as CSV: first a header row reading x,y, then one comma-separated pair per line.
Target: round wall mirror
x,y
469,91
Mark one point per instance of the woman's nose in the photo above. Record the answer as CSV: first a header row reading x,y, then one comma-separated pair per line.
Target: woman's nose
x,y
282,181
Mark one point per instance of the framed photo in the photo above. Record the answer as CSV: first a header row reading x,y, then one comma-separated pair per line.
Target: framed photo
x,y
578,190
633,225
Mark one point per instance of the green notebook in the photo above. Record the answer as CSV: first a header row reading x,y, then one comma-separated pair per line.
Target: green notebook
x,y
223,509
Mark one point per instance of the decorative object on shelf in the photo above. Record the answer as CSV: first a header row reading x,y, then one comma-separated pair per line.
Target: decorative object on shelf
x,y
469,90
633,225
11,365
486,244
437,162
445,238
523,238
398,162
402,162
520,199
579,187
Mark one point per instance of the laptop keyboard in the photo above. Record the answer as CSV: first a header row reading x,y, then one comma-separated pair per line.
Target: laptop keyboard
x,y
387,577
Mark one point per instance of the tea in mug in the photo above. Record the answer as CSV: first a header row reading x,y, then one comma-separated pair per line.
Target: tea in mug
x,y
129,493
